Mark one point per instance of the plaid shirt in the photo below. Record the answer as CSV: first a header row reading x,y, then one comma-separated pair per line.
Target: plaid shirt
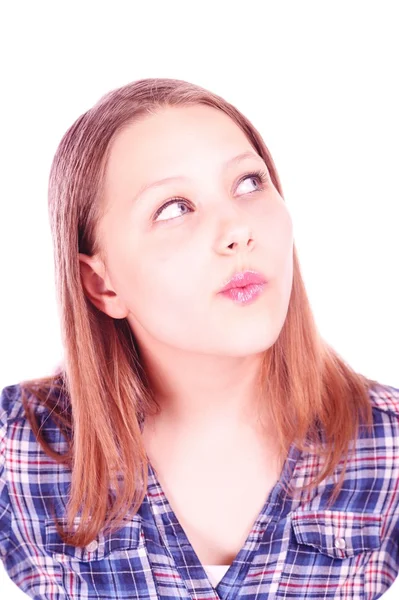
x,y
298,547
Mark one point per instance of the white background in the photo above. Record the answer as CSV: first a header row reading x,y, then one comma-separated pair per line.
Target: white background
x,y
319,80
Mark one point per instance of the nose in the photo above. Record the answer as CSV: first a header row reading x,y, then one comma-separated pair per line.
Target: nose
x,y
237,237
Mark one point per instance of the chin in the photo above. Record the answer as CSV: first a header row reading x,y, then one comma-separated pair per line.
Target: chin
x,y
247,345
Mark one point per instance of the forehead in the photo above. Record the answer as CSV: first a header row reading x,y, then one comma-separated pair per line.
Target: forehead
x,y
176,135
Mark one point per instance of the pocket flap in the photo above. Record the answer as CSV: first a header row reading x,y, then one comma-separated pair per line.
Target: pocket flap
x,y
128,536
336,533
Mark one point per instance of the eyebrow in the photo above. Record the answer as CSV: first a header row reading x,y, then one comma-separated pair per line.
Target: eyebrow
x,y
228,163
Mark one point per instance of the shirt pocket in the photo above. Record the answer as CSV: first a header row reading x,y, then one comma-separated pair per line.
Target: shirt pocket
x,y
337,534
129,536
113,565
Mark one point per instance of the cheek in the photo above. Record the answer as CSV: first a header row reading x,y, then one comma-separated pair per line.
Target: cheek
x,y
167,307
159,285
275,233
283,243
276,246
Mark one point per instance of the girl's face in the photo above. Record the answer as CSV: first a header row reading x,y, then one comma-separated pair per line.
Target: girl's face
x,y
172,244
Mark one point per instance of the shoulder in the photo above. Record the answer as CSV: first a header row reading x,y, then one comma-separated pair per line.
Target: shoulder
x,y
385,416
381,436
33,481
385,399
14,420
11,407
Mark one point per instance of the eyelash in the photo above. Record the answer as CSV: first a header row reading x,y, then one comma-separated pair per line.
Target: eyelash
x,y
261,175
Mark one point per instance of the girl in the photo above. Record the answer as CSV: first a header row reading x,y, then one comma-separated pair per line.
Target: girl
x,y
200,440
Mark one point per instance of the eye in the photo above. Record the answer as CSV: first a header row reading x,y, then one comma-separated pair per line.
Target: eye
x,y
175,204
260,176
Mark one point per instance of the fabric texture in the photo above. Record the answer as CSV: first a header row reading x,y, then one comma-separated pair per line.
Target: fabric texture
x,y
299,547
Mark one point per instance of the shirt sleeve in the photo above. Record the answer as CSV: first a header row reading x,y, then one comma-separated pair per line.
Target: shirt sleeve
x,y
5,508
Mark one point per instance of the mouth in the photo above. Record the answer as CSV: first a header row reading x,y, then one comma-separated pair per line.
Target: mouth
x,y
244,295
244,287
243,279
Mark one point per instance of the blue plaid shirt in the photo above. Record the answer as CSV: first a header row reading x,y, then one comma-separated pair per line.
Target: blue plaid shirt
x,y
298,547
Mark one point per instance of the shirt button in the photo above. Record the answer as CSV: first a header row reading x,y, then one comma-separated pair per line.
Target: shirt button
x,y
340,543
92,546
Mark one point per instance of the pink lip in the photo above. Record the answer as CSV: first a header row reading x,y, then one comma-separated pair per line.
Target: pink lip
x,y
244,288
240,280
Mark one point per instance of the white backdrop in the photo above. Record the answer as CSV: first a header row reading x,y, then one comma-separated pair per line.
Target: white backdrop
x,y
319,81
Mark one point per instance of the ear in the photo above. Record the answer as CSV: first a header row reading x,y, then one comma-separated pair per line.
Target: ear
x,y
98,288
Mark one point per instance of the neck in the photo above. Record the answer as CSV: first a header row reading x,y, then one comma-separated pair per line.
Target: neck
x,y
197,392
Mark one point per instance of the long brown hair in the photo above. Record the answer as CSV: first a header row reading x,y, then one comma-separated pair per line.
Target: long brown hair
x,y
309,388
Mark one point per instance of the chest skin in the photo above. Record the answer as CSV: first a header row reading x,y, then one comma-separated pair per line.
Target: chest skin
x,y
215,487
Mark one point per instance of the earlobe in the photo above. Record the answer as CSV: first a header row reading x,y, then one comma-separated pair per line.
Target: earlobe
x,y
92,273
